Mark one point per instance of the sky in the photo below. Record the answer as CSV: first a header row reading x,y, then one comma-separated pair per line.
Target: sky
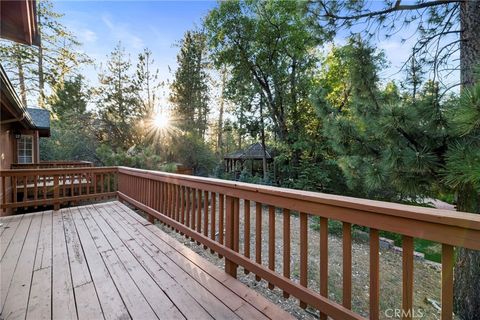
x,y
160,25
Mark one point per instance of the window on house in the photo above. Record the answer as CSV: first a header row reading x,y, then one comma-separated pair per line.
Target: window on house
x,y
25,149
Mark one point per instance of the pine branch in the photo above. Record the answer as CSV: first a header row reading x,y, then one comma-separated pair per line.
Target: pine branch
x,y
396,7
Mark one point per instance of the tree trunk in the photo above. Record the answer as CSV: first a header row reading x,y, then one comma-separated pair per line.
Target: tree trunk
x,y
467,268
21,80
220,116
470,44
41,78
262,133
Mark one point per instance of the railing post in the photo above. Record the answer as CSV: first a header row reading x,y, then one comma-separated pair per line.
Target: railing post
x,y
56,193
230,266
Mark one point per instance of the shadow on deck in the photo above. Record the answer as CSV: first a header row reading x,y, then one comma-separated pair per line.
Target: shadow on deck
x,y
104,261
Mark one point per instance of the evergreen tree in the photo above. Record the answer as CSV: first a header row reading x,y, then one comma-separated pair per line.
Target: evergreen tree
x,y
38,71
72,129
118,104
70,99
189,89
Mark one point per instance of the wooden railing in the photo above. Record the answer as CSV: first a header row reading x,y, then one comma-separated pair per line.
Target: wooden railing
x,y
42,187
52,164
210,212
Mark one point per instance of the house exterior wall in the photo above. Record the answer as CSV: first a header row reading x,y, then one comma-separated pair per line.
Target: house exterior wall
x,y
8,154
7,157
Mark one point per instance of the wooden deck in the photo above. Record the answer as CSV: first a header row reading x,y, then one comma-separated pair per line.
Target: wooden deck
x,y
104,261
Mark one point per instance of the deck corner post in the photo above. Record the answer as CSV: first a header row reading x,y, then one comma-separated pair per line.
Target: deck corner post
x,y
230,266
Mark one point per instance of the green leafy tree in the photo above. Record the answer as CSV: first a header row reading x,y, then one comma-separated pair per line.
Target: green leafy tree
x,y
270,48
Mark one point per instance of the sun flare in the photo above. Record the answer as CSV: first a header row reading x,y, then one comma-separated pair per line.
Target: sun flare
x,y
161,120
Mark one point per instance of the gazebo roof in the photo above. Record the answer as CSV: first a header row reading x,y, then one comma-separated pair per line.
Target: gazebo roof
x,y
254,151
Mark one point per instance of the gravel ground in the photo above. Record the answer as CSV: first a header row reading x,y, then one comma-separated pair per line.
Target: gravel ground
x,y
427,276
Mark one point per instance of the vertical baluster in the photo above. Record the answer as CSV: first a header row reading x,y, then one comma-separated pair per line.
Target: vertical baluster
x,y
205,215
44,190
199,211
173,200
64,187
230,266
271,241
179,202
213,213
407,269
347,264
4,193
221,214
102,185
447,281
246,231
25,194
14,183
56,193
72,190
194,208
286,246
35,189
80,185
187,210
182,204
374,274
323,260
108,182
87,176
95,184
303,252
236,224
258,235
165,194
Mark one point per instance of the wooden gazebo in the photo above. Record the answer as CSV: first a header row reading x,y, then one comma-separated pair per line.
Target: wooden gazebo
x,y
236,161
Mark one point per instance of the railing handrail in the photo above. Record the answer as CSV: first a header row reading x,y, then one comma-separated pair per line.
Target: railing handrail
x,y
53,171
53,164
343,208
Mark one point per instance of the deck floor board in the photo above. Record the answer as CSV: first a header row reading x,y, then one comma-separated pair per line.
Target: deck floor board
x,y
104,261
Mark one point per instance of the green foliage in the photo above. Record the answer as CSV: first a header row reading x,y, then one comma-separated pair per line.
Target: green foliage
x,y
118,104
143,158
191,150
70,98
189,89
463,156
70,139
